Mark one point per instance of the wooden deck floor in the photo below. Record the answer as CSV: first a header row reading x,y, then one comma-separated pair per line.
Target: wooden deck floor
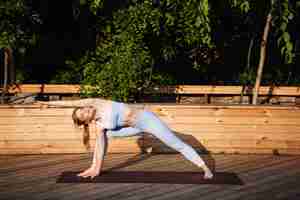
x,y
264,176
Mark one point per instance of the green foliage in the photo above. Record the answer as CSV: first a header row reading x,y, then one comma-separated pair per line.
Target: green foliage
x,y
142,33
297,4
9,11
72,73
94,5
242,5
138,38
247,77
283,15
283,12
193,23
118,69
16,21
122,65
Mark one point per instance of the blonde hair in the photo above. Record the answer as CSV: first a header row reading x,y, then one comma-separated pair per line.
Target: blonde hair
x,y
86,131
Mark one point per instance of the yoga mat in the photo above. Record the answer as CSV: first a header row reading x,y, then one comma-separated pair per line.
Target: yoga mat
x,y
151,177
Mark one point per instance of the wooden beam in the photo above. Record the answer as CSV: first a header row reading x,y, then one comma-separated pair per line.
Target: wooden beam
x,y
45,88
177,89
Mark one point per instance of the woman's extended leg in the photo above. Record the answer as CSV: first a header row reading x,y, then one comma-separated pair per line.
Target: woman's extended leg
x,y
123,132
150,123
127,132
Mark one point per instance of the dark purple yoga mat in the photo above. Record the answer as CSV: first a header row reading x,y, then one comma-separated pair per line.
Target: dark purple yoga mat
x,y
152,177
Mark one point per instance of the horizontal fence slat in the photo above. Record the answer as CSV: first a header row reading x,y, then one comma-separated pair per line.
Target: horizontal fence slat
x,y
65,146
207,134
44,88
176,89
234,143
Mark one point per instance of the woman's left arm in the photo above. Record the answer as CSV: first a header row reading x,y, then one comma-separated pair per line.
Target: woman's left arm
x,y
100,150
98,157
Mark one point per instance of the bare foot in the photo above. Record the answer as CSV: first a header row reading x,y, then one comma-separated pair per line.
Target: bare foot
x,y
90,172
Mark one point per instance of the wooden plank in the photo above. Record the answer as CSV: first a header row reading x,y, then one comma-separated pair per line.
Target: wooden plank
x,y
226,112
172,106
128,149
65,146
241,150
200,126
204,130
31,112
52,116
76,143
241,129
119,145
234,143
45,88
212,106
235,90
176,89
61,137
211,134
233,120
188,120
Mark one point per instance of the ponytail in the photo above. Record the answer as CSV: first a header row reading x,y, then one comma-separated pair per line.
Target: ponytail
x,y
86,136
86,130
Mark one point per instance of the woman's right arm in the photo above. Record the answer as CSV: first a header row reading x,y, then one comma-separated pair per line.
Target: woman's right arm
x,y
71,103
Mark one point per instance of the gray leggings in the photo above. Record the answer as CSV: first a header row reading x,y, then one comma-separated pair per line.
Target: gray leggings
x,y
148,122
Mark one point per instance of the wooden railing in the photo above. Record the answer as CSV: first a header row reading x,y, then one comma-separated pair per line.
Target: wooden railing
x,y
44,89
177,89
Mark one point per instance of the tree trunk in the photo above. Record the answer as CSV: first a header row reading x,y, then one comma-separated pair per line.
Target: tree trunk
x,y
11,67
249,54
5,78
262,59
247,70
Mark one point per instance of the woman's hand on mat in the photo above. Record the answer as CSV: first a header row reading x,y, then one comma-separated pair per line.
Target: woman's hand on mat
x,y
208,175
90,172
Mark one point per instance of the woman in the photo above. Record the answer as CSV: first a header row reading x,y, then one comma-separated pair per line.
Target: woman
x,y
119,119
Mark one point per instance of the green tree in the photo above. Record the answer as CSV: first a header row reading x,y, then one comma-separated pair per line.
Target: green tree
x,y
17,24
122,65
279,15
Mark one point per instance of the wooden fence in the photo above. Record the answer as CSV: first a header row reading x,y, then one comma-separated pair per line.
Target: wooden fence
x,y
210,93
229,129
